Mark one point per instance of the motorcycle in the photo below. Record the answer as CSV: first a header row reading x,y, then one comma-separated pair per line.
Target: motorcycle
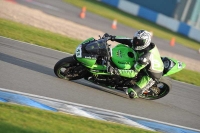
x,y
92,57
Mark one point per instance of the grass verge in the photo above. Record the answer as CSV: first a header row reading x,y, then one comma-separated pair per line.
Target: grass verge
x,y
37,36
62,43
187,76
22,119
133,21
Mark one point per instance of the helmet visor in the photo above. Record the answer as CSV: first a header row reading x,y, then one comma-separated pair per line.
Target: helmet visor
x,y
137,42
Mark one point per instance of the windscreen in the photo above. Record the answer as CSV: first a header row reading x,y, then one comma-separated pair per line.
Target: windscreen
x,y
97,47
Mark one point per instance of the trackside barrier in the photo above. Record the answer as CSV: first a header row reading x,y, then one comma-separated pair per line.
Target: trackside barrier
x,y
155,17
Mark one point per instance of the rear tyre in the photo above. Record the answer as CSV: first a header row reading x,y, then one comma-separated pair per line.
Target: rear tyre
x,y
159,91
68,68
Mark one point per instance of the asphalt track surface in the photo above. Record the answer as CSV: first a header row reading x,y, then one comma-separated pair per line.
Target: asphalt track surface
x,y
28,68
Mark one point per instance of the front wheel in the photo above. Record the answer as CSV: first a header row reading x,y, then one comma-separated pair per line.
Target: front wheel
x,y
68,68
158,91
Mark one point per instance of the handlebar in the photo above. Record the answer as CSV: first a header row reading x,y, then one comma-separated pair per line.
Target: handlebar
x,y
107,36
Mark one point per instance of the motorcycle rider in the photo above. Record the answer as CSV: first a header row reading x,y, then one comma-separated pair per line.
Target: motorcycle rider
x,y
149,62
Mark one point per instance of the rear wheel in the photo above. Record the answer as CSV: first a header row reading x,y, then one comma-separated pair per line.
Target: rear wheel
x,y
158,91
68,68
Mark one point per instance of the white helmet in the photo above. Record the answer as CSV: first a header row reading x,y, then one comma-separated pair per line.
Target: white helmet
x,y
141,40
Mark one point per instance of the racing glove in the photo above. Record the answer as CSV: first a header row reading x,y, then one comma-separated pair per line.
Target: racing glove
x,y
111,36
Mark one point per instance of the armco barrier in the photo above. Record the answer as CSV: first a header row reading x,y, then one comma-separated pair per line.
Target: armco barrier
x,y
130,8
170,23
156,17
147,14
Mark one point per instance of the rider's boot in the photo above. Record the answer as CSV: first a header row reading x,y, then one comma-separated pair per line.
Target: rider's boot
x,y
133,92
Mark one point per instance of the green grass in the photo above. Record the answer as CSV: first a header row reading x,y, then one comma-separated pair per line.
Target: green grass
x,y
37,36
62,43
133,21
187,76
22,119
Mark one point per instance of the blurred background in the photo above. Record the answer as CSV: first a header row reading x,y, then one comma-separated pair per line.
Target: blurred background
x,y
182,16
187,11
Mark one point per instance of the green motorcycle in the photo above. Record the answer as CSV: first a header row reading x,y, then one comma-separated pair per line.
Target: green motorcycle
x,y
92,57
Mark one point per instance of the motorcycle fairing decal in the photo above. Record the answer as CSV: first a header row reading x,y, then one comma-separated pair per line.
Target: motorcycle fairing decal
x,y
87,56
119,53
180,65
79,51
127,73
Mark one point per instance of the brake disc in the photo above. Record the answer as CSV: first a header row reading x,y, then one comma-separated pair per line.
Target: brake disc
x,y
155,90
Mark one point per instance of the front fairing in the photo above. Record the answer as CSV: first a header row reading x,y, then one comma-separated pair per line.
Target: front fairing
x,y
88,51
82,56
79,51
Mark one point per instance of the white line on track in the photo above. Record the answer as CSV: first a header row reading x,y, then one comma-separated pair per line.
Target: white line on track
x,y
36,45
90,107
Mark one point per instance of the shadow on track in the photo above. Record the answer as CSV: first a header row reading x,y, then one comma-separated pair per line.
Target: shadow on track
x,y
100,88
49,71
26,64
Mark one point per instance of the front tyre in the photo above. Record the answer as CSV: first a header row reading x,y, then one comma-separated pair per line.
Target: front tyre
x,y
68,68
